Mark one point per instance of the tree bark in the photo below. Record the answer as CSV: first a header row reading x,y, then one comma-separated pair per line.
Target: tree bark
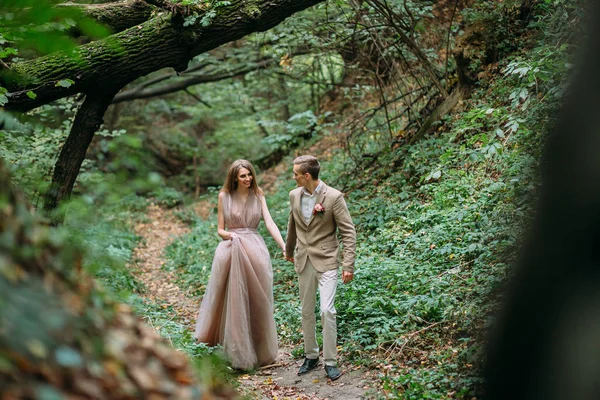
x,y
87,121
444,108
158,43
115,16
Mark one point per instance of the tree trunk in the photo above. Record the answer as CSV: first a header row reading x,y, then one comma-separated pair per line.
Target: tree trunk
x,y
444,108
87,121
285,107
526,11
462,69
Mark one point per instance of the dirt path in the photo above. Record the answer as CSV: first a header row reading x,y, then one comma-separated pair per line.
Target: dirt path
x,y
161,228
277,382
282,382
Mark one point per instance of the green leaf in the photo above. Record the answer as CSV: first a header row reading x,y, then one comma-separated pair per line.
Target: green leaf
x,y
31,95
65,83
5,52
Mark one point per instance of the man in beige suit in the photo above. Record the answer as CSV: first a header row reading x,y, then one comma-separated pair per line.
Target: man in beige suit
x,y
317,213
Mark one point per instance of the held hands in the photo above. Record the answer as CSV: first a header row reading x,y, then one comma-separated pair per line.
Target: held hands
x,y
232,235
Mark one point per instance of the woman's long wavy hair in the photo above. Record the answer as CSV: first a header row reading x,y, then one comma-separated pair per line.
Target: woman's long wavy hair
x,y
231,183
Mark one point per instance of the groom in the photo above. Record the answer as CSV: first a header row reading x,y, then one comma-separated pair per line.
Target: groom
x,y
317,213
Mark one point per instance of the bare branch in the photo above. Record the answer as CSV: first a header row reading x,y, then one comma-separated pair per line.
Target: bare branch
x,y
395,22
197,98
164,77
134,94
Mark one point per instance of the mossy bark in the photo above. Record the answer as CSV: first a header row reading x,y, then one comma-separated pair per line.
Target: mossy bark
x,y
109,63
116,16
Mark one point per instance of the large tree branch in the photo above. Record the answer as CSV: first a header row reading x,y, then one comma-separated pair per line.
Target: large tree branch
x,y
121,58
115,16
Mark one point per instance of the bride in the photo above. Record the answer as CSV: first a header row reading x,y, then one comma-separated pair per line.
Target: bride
x,y
237,308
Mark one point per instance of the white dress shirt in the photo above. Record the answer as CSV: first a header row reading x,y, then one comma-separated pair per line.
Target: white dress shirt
x,y
309,200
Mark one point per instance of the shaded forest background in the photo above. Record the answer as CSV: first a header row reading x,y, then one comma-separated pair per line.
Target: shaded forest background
x,y
429,115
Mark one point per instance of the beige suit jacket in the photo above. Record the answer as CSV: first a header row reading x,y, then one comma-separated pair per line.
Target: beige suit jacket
x,y
318,240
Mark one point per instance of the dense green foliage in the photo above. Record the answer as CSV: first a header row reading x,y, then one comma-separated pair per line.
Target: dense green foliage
x,y
439,221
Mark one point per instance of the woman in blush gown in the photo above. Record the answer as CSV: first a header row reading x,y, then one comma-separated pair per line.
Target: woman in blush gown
x,y
237,308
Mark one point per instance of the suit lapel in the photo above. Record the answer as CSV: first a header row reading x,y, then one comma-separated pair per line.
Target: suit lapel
x,y
298,208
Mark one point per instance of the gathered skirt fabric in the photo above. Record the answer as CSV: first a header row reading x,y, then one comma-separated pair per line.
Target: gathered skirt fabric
x,y
237,308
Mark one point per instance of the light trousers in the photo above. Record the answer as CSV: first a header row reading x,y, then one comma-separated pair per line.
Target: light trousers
x,y
309,280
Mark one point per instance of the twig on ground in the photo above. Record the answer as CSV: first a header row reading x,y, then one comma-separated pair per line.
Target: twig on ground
x,y
408,339
270,366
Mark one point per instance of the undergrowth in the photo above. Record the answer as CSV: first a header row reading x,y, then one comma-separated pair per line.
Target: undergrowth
x,y
439,224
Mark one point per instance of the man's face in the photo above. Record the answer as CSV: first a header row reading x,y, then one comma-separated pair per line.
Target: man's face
x,y
300,178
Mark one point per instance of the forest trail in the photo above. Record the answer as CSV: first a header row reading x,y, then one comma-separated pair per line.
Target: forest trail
x,y
282,382
157,232
278,381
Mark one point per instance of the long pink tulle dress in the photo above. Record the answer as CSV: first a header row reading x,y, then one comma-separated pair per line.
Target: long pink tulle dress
x,y
237,308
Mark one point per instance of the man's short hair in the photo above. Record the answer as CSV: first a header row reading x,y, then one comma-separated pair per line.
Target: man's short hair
x,y
308,164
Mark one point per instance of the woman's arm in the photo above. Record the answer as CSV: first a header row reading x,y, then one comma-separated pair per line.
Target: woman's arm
x,y
225,235
271,227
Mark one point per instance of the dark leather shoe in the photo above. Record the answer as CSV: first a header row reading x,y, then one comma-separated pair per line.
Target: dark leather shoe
x,y
308,365
332,372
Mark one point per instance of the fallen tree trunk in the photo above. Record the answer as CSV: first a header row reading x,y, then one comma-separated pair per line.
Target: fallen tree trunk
x,y
444,108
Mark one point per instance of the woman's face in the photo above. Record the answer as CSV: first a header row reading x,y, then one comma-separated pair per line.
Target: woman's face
x,y
244,178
